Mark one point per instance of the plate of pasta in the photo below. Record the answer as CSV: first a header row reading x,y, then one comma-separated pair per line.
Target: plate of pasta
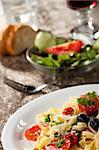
x,y
66,119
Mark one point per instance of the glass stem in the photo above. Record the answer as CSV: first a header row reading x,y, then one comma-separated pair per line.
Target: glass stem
x,y
84,18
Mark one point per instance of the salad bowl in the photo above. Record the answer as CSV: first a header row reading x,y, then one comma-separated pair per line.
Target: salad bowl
x,y
88,66
57,63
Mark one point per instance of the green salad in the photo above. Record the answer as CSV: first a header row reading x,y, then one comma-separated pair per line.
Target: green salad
x,y
56,52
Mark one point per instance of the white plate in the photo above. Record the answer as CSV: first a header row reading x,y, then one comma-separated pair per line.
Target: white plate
x,y
12,134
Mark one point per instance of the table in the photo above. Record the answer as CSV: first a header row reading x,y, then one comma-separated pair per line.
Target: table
x,y
53,16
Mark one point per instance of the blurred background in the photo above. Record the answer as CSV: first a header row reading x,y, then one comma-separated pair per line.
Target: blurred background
x,y
50,15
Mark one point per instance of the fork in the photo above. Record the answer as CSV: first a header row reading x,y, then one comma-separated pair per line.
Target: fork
x,y
23,88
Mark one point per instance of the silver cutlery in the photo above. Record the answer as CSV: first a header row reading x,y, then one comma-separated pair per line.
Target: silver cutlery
x,y
23,88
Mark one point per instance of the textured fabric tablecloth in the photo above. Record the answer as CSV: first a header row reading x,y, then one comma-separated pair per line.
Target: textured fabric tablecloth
x,y
56,17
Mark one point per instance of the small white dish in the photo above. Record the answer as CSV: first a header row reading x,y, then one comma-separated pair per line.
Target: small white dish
x,y
12,134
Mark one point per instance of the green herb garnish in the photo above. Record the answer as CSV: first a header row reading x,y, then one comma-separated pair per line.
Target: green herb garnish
x,y
91,94
85,102
60,143
53,123
47,118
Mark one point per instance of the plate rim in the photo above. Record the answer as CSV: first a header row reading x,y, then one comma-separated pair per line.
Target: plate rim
x,y
32,102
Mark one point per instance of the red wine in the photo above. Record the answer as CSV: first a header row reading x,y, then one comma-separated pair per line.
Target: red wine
x,y
78,4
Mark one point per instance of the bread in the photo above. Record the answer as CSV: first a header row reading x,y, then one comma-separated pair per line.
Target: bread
x,y
1,44
5,34
17,38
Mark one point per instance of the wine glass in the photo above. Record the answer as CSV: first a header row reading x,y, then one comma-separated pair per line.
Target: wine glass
x,y
85,30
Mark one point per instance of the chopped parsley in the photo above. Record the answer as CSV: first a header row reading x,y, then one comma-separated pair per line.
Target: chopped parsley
x,y
47,118
91,94
85,102
87,99
53,123
60,143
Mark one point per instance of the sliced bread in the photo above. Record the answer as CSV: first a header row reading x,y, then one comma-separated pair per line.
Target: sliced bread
x,y
18,38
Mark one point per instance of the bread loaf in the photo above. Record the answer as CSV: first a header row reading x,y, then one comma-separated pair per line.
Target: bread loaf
x,y
17,38
1,45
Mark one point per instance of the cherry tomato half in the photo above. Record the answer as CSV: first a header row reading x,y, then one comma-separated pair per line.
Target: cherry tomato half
x,y
72,137
67,111
33,133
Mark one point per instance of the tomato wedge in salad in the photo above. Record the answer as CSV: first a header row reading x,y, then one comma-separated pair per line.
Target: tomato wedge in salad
x,y
68,47
33,133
